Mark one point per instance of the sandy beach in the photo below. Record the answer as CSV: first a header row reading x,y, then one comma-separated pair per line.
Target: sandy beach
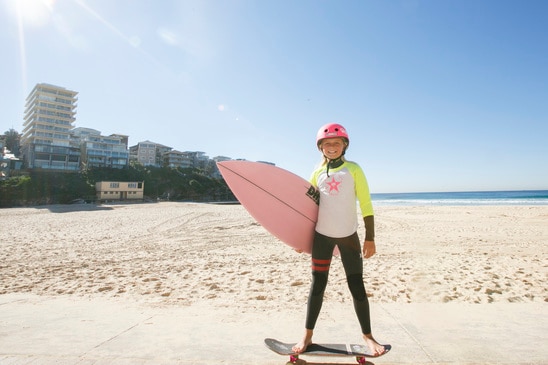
x,y
179,253
207,256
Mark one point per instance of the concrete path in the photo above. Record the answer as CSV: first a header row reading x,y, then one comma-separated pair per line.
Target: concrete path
x,y
68,330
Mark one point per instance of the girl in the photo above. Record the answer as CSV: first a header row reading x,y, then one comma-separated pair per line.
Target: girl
x,y
340,183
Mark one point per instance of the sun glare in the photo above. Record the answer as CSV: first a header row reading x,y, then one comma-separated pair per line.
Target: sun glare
x,y
32,12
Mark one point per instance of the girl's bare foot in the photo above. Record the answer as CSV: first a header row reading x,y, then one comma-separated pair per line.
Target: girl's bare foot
x,y
375,348
300,347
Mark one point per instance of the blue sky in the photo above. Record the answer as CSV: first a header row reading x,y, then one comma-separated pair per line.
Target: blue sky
x,y
437,95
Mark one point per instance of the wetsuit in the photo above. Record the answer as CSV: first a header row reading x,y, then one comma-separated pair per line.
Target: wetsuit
x,y
339,184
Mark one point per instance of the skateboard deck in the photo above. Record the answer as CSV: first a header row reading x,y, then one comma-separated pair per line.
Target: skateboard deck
x,y
361,352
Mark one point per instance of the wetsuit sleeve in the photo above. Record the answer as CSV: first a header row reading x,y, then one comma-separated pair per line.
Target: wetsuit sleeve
x,y
362,191
369,222
366,206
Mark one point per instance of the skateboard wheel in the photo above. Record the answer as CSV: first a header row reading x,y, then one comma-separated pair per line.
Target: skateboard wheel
x,y
293,358
361,360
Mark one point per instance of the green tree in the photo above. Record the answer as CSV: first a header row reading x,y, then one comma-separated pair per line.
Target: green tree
x,y
12,139
12,191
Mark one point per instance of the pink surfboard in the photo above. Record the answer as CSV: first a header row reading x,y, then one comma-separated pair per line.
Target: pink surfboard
x,y
282,202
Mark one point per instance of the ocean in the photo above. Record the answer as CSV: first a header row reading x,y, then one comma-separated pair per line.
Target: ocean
x,y
524,197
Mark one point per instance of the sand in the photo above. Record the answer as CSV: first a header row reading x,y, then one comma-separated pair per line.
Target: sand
x,y
161,283
179,253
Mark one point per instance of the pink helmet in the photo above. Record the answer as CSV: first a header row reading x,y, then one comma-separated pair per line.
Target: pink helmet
x,y
331,130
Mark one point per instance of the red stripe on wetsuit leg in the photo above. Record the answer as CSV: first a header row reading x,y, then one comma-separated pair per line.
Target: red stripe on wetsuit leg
x,y
320,265
320,268
321,262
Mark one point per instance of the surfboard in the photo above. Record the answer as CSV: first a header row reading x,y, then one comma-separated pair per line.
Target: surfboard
x,y
285,204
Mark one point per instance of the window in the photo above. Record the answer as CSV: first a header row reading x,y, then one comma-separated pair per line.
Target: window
x,y
114,185
58,158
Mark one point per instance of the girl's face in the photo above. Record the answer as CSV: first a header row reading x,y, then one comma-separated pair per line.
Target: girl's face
x,y
333,148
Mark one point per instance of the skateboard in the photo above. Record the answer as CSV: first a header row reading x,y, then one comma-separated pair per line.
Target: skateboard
x,y
360,352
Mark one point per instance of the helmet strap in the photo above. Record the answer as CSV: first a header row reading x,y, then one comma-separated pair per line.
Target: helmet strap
x,y
334,163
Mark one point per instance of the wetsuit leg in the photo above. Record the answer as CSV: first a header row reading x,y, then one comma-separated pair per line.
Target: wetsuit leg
x,y
322,253
351,257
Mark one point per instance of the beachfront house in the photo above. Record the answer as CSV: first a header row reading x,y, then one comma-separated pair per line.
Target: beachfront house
x,y
119,190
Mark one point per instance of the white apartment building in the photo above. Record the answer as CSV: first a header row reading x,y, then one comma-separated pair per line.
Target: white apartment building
x,y
46,140
148,153
176,158
102,151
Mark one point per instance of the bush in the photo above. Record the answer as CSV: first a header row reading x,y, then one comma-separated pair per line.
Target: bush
x,y
47,187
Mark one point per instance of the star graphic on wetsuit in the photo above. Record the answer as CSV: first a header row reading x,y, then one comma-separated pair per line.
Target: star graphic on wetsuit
x,y
333,185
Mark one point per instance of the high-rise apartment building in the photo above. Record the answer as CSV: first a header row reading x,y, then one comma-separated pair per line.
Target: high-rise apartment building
x,y
46,141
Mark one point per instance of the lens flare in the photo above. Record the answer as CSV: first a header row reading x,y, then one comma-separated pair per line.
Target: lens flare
x,y
35,13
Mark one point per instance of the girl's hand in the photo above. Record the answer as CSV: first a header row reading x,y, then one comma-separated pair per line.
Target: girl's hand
x,y
369,249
